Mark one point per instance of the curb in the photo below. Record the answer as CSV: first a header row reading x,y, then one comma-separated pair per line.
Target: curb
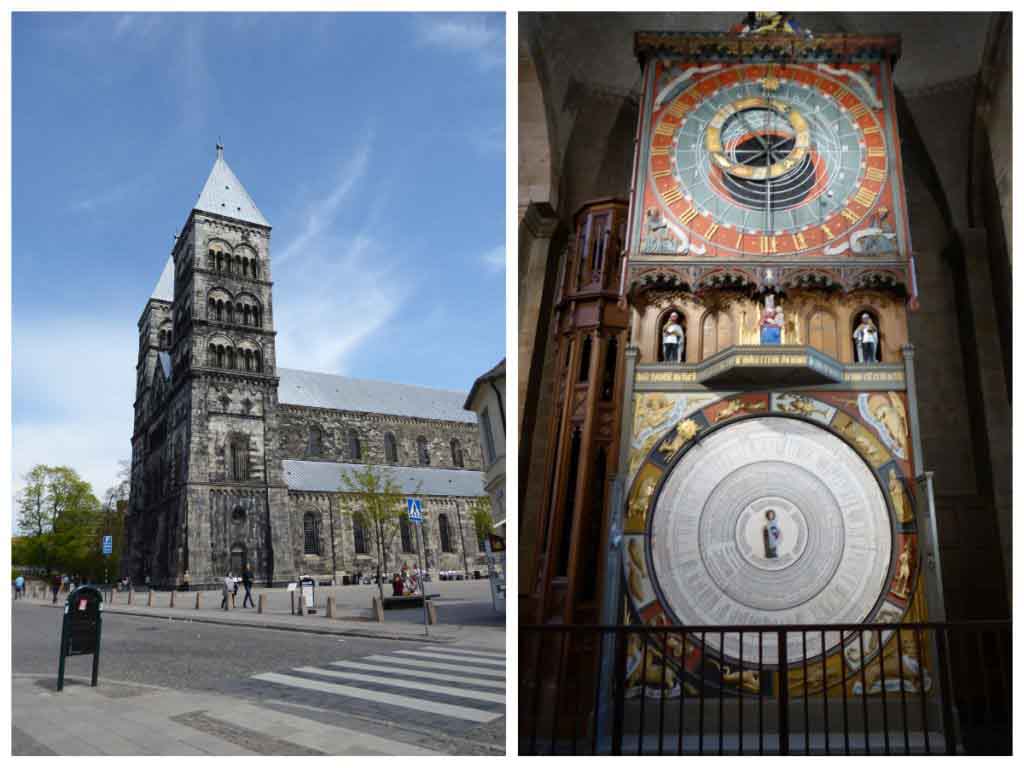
x,y
283,627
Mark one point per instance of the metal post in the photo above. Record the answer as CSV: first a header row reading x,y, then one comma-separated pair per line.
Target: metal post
x,y
423,580
96,650
63,647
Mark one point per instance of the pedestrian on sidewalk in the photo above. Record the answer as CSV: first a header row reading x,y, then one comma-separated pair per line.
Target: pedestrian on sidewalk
x,y
247,583
55,584
229,583
19,587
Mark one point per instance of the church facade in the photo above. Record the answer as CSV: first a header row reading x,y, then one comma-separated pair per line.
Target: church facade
x,y
237,462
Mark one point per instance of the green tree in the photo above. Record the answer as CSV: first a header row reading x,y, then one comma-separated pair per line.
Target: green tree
x,y
378,507
483,521
61,520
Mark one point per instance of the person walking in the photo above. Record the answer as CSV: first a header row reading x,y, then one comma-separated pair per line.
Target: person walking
x,y
19,587
247,583
229,584
55,584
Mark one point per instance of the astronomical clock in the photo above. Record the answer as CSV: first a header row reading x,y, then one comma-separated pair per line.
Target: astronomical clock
x,y
771,475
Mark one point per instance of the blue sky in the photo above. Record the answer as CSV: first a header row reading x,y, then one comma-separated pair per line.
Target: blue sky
x,y
374,144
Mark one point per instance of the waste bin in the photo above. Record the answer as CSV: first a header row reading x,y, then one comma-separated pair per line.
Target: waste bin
x,y
307,594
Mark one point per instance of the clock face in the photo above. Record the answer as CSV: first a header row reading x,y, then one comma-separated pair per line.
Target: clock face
x,y
767,159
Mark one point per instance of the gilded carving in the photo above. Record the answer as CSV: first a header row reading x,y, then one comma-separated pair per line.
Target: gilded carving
x,y
887,414
748,679
735,406
684,432
646,669
904,512
899,670
901,584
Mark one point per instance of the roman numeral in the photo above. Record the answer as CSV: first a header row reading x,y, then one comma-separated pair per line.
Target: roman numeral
x,y
662,174
665,129
798,240
876,151
659,151
871,129
739,240
689,216
711,230
858,111
865,197
672,196
677,109
767,244
874,174
827,231
849,215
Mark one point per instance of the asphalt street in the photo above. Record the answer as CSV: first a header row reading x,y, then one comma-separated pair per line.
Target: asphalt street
x,y
375,686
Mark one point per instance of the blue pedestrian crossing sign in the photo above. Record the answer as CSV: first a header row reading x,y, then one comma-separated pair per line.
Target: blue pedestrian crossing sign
x,y
108,545
415,507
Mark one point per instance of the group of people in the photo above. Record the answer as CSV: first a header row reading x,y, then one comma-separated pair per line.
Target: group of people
x,y
407,582
230,588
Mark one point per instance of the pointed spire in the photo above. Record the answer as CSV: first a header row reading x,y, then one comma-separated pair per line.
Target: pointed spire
x,y
224,194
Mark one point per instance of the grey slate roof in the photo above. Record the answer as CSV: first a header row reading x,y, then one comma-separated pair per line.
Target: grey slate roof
x,y
165,285
224,194
324,476
326,390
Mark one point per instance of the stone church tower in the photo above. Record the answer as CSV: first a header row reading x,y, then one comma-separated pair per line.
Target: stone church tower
x,y
204,477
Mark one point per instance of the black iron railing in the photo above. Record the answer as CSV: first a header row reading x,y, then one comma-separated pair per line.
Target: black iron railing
x,y
915,688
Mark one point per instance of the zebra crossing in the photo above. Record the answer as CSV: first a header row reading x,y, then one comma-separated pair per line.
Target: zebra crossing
x,y
455,687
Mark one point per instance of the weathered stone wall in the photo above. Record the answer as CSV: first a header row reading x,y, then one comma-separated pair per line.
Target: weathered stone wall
x,y
297,422
335,513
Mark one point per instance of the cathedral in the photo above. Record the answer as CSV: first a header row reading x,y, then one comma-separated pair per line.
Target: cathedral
x,y
237,462
764,380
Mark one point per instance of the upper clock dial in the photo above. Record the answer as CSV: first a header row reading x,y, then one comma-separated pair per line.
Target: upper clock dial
x,y
767,159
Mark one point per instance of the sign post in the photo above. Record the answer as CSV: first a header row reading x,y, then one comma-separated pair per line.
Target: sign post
x,y
415,511
108,549
80,631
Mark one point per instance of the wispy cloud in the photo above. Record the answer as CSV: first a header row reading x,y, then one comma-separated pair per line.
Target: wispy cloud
x,y
110,196
494,259
480,35
322,212
136,25
336,284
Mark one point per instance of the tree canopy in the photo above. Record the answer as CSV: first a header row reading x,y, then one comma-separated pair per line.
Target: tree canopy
x,y
62,523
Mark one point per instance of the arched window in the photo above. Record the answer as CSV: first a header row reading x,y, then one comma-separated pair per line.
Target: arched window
x,y
316,441
421,450
390,448
231,358
239,458
238,558
220,356
355,450
716,333
311,533
456,453
255,270
405,530
359,538
822,333
446,534
256,361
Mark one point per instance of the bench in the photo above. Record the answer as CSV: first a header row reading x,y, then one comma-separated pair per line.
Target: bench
x,y
406,601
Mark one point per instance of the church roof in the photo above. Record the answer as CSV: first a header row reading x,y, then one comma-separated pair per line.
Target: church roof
x,y
325,476
326,390
164,290
224,194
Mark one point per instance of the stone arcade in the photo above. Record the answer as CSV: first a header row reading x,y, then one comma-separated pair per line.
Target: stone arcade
x,y
238,462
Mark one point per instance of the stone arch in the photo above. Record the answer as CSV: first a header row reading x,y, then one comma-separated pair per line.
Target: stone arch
x,y
876,317
537,177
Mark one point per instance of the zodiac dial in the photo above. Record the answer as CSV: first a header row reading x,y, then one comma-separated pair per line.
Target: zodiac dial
x,y
767,159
